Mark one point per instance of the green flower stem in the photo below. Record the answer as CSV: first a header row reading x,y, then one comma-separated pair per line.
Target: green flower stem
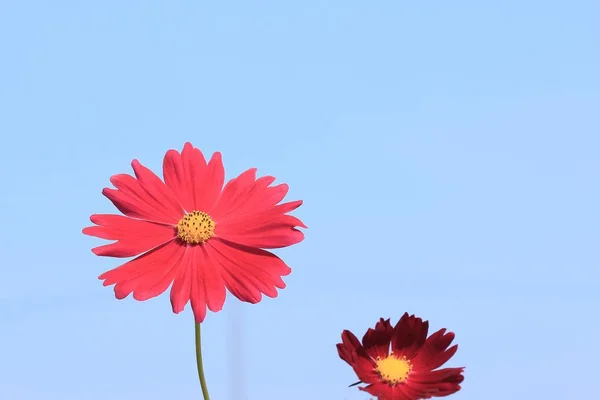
x,y
199,364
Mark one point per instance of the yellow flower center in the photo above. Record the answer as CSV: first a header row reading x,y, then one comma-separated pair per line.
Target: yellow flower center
x,y
392,369
196,227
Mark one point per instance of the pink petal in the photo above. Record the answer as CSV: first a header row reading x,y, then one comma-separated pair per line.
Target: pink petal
x,y
246,194
214,285
247,272
197,295
158,190
267,229
182,285
143,199
133,236
146,271
196,184
209,190
176,177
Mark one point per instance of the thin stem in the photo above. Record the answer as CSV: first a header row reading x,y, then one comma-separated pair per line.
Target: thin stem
x,y
199,364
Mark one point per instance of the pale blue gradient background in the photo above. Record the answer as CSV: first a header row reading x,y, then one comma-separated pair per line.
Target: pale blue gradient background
x,y
447,153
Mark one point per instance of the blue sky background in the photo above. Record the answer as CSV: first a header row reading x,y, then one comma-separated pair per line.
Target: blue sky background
x,y
447,153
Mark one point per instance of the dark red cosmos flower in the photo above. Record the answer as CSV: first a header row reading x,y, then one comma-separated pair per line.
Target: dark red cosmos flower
x,y
400,362
192,232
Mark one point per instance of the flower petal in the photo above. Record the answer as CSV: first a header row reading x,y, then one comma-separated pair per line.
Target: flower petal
x,y
176,176
207,284
158,190
431,389
411,392
214,285
182,285
409,335
246,194
441,358
247,272
446,389
197,294
133,236
146,198
146,273
352,351
377,341
268,229
352,348
234,194
383,391
196,184
433,353
441,375
247,213
265,236
149,288
212,185
345,353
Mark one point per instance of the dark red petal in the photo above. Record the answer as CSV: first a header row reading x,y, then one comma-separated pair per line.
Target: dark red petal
x,y
351,342
433,353
384,391
413,392
409,335
437,389
365,370
146,272
405,392
345,353
440,359
452,375
377,341
247,272
133,236
143,199
351,351
384,324
446,389
437,383
417,390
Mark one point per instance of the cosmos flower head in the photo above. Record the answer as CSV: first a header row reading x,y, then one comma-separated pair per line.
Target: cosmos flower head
x,y
400,362
194,234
